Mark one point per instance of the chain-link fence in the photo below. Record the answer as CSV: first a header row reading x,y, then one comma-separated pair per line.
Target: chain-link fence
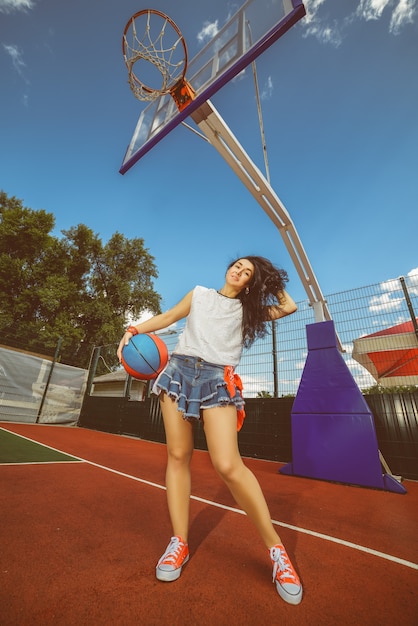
x,y
273,366
35,389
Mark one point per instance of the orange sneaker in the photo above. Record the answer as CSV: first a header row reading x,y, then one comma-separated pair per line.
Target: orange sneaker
x,y
176,555
287,581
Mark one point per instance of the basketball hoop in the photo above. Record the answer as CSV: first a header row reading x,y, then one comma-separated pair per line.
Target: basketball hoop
x,y
154,42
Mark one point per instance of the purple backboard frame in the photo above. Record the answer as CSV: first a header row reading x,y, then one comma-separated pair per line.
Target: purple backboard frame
x,y
263,44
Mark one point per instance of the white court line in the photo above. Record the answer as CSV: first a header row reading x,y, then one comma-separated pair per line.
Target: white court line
x,y
305,531
43,462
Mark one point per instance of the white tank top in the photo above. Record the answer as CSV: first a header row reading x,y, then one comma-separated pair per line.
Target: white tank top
x,y
213,328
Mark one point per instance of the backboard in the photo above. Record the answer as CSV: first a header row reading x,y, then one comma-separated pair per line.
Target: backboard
x,y
246,35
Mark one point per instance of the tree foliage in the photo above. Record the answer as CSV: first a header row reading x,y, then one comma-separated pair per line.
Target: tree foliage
x,y
263,394
381,389
74,287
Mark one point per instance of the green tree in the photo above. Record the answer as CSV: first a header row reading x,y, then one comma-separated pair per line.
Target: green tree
x,y
74,287
264,394
24,243
381,389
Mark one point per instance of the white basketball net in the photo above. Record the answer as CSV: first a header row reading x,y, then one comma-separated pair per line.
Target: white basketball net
x,y
163,55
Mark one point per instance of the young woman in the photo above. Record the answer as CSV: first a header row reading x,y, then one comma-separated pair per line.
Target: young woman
x,y
199,382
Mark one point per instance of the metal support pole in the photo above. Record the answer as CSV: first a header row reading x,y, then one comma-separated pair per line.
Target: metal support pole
x,y
409,305
275,372
224,141
92,369
127,387
51,369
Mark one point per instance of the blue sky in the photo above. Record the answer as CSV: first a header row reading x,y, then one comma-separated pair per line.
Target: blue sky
x,y
340,109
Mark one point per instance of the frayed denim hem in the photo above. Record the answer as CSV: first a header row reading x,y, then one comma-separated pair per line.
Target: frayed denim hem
x,y
194,392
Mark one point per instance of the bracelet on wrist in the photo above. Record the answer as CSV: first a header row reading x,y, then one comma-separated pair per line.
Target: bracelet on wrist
x,y
132,329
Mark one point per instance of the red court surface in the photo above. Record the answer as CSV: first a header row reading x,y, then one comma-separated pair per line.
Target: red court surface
x,y
79,543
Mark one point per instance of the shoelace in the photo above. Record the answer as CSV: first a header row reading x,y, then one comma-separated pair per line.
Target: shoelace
x,y
282,563
172,553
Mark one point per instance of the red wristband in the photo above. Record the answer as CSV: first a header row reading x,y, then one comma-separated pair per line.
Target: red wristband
x,y
132,329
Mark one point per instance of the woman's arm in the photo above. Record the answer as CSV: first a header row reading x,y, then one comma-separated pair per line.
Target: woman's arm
x,y
286,306
160,321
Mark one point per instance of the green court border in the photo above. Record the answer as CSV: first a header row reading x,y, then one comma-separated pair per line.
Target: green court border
x,y
17,449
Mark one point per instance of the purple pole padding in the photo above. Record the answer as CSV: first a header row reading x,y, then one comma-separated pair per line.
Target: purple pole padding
x,y
333,433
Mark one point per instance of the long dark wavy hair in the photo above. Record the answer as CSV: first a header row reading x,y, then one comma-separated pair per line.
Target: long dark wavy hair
x,y
266,282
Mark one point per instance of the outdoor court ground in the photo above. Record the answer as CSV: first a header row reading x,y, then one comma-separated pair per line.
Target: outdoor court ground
x,y
84,520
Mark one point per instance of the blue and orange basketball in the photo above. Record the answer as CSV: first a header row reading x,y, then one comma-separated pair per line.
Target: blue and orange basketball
x,y
145,356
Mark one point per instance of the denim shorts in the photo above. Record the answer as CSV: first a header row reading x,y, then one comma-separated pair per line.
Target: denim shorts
x,y
195,384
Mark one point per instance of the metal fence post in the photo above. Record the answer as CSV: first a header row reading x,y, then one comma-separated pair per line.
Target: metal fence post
x,y
409,305
92,369
57,350
275,373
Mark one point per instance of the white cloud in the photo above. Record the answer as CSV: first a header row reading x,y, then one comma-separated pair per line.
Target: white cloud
x,y
392,295
312,7
404,13
209,30
301,364
146,315
394,284
240,76
362,377
267,89
391,285
384,303
253,385
327,29
16,56
371,9
412,281
8,6
317,25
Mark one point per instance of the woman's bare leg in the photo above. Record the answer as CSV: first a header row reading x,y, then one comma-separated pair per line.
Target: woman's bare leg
x,y
179,436
221,436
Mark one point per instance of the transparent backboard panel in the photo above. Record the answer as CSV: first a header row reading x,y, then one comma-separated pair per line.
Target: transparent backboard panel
x,y
250,31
